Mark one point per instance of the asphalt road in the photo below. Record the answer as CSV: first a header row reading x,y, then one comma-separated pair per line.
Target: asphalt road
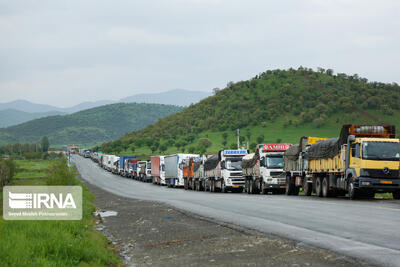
x,y
366,229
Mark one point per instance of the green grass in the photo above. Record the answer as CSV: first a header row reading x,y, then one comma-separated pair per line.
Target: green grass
x,y
54,243
31,168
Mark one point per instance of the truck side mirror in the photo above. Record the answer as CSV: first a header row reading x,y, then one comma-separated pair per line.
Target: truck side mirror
x,y
262,160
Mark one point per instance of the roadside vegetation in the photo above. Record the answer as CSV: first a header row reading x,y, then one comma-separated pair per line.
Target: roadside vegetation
x,y
53,243
275,106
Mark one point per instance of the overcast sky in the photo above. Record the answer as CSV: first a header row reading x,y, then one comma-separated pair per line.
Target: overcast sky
x,y
66,52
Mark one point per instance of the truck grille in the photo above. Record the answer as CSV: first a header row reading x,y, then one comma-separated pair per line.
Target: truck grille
x,y
379,173
237,181
235,174
274,174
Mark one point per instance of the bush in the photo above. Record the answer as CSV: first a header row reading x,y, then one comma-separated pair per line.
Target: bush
x,y
7,171
59,173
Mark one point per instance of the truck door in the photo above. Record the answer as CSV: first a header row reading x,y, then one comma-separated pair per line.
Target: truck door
x,y
355,157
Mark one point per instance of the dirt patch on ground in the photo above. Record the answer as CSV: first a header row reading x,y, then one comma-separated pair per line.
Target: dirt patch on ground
x,y
151,233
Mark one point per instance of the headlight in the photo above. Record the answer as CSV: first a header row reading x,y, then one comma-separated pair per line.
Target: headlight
x,y
269,180
229,181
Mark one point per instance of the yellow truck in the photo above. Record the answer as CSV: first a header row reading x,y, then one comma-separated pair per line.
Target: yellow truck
x,y
364,160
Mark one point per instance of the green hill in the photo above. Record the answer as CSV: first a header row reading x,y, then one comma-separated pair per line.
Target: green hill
x,y
274,106
88,127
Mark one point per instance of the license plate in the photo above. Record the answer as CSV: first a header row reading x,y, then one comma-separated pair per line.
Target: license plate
x,y
283,186
386,182
235,186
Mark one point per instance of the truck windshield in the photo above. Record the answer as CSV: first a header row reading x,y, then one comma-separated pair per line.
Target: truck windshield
x,y
274,162
148,165
380,150
234,164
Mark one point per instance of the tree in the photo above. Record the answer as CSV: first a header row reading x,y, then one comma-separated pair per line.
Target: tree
x,y
248,134
191,149
260,139
45,144
163,148
216,90
253,146
278,140
205,142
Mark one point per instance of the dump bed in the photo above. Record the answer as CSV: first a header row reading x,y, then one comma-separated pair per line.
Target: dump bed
x,y
291,159
251,165
212,167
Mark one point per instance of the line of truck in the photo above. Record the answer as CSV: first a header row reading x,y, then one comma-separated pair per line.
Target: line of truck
x,y
364,160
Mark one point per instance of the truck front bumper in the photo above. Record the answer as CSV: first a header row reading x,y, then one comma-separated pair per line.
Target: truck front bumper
x,y
378,184
274,186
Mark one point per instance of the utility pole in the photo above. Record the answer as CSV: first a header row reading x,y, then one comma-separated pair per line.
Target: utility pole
x,y
238,138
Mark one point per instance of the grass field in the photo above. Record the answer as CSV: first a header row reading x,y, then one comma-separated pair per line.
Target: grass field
x,y
53,243
31,168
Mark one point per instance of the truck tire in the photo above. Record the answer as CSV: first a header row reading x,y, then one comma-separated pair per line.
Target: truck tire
x,y
212,186
318,187
307,187
353,192
289,186
223,187
185,184
396,195
262,188
251,187
325,187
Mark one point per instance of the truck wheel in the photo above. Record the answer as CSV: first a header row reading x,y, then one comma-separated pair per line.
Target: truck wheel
x,y
318,187
212,186
353,192
185,184
251,187
325,187
307,187
262,188
289,186
223,187
396,195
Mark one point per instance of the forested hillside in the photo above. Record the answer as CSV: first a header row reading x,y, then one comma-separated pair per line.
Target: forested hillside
x,y
276,105
90,126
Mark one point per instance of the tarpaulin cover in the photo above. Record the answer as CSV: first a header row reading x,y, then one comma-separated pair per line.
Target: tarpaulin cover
x,y
211,163
325,149
250,162
293,152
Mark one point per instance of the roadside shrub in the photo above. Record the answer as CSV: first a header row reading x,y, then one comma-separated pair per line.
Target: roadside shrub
x,y
7,171
59,173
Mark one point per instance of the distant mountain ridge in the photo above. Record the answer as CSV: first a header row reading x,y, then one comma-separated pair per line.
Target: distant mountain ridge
x,y
89,126
20,111
9,117
177,97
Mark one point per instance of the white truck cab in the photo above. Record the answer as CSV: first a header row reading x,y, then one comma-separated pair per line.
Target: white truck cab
x,y
271,166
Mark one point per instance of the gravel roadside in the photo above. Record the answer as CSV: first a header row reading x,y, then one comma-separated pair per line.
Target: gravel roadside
x,y
151,233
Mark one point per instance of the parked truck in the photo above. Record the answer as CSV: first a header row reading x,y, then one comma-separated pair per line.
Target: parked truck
x,y
158,170
199,174
122,166
174,169
131,167
143,172
364,160
296,166
263,170
115,164
224,171
188,172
